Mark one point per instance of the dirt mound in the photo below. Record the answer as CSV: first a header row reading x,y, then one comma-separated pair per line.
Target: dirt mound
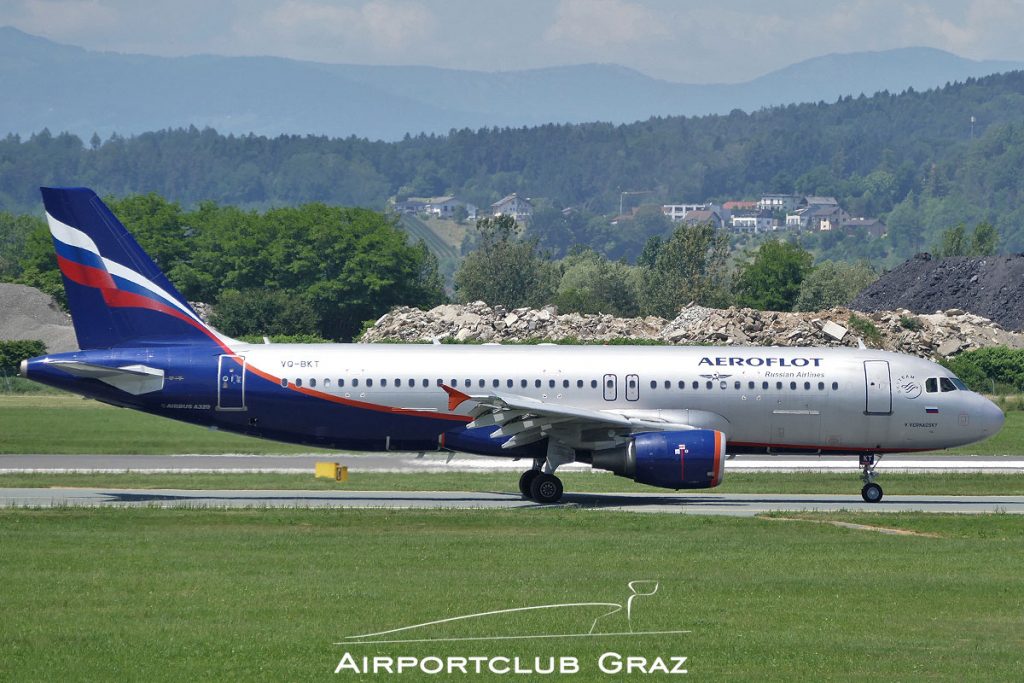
x,y
991,286
27,313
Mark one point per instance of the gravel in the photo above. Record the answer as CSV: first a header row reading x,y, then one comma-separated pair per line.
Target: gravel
x,y
991,286
27,313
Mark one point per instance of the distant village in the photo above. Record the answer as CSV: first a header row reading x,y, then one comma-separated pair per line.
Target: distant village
x,y
771,213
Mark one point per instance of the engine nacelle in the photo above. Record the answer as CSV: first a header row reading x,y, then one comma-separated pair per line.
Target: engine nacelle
x,y
693,459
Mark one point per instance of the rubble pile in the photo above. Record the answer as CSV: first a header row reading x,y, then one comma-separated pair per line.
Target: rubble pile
x,y
929,336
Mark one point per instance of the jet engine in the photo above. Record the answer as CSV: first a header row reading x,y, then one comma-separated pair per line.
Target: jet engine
x,y
693,459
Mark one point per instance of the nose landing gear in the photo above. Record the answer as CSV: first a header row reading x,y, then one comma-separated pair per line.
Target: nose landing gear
x,y
872,492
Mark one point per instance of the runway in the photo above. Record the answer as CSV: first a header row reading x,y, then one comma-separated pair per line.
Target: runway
x,y
742,505
444,462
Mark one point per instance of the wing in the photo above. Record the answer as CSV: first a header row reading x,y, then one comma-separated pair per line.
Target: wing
x,y
526,420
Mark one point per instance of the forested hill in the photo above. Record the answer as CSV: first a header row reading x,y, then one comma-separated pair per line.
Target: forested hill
x,y
907,157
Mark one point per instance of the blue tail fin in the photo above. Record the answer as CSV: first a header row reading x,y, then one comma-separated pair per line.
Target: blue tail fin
x,y
117,295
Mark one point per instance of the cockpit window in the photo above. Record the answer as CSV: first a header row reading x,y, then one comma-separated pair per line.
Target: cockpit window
x,y
959,383
946,384
931,385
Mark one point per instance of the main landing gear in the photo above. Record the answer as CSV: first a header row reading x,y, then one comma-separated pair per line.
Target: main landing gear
x,y
540,486
872,492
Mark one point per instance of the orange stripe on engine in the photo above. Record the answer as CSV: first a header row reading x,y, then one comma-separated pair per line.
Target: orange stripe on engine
x,y
717,477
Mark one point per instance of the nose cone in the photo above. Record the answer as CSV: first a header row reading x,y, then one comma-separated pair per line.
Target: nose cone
x,y
991,418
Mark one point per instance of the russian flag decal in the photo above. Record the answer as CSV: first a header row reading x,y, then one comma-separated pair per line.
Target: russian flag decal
x,y
931,410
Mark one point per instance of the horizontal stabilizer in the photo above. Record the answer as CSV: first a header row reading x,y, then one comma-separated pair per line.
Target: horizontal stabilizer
x,y
132,379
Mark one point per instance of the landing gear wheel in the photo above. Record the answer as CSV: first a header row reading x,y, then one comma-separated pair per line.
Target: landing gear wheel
x,y
525,480
546,488
871,493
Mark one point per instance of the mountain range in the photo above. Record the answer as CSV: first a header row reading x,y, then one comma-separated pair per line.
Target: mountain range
x,y
67,88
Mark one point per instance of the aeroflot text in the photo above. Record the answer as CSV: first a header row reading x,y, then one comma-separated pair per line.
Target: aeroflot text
x,y
757,362
608,663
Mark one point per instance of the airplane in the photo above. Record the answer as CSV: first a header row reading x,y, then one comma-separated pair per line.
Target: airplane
x,y
663,416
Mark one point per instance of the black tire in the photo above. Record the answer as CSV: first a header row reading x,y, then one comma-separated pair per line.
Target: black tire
x,y
525,480
546,488
871,493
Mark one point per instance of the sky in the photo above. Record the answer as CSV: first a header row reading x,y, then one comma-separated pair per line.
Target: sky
x,y
689,41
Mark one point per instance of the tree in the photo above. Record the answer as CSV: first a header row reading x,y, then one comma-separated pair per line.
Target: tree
x,y
832,284
689,266
953,242
505,270
772,280
263,312
591,283
985,240
14,236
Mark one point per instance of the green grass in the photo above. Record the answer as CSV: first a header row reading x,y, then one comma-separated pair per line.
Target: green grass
x,y
151,594
88,427
68,424
936,484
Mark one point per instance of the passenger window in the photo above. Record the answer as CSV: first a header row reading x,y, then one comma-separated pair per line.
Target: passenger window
x,y
668,384
551,384
931,385
536,383
710,384
821,386
579,384
750,385
565,384
654,384
835,386
682,384
383,382
355,382
696,384
440,381
426,382
341,382
369,382
469,383
778,385
609,384
593,384
298,382
482,383
312,382
946,385
764,386
807,386
412,383
284,382
495,383
522,383
632,384
327,382
398,382
508,383
736,385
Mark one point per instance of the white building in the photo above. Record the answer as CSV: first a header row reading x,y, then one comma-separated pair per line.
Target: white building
x,y
520,208
755,223
677,212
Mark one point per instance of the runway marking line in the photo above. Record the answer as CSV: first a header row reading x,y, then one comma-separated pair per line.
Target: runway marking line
x,y
858,527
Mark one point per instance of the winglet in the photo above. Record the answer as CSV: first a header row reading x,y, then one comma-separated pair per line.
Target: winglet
x,y
455,397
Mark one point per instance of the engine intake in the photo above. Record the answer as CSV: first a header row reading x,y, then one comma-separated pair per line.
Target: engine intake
x,y
693,459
